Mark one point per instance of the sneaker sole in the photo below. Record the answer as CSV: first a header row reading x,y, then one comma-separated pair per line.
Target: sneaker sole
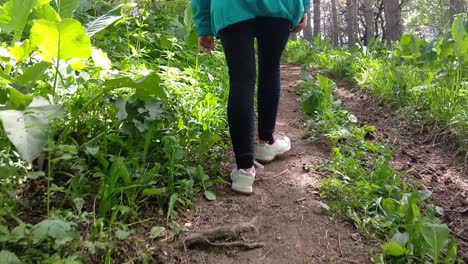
x,y
274,157
242,193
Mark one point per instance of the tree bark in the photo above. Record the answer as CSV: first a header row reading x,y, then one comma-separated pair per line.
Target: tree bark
x,y
334,23
392,9
369,21
350,17
456,7
316,17
308,30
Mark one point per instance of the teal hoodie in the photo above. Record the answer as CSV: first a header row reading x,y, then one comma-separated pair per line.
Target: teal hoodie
x,y
210,16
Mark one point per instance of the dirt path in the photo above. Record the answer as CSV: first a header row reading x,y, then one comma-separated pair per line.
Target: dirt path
x,y
435,166
286,202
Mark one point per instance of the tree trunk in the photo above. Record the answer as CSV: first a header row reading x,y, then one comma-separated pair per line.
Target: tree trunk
x,y
393,25
334,23
369,21
456,7
350,17
308,30
316,17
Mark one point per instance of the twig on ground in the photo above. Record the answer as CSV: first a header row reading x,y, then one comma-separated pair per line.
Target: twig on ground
x,y
339,245
277,175
209,236
266,255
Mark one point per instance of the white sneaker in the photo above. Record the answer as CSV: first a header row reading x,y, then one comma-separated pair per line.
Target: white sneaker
x,y
268,152
242,180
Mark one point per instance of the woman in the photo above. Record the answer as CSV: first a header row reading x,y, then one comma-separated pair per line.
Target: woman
x,y
238,23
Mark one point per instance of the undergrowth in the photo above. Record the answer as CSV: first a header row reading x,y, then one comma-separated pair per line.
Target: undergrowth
x,y
111,124
426,80
384,204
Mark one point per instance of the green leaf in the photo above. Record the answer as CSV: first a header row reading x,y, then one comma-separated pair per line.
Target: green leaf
x,y
59,230
66,39
4,234
460,36
21,51
172,202
451,256
14,14
34,73
8,257
34,175
437,237
220,180
106,20
18,100
121,234
27,130
393,249
209,195
156,231
400,238
18,233
67,8
146,86
312,103
47,12
154,192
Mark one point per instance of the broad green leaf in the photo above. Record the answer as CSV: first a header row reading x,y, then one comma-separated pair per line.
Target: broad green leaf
x,y
21,51
460,36
64,40
8,257
27,130
106,20
156,231
14,14
59,230
34,73
400,238
18,233
145,87
17,100
393,249
311,105
437,237
209,195
47,12
67,8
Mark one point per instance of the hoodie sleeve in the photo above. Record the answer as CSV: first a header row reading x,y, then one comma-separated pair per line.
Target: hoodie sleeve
x,y
202,17
306,4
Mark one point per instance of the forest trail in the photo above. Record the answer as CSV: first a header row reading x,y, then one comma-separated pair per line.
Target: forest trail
x,y
286,199
286,202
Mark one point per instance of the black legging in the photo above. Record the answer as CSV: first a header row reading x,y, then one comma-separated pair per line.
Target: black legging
x,y
238,43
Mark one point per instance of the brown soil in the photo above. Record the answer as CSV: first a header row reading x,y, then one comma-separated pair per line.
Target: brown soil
x,y
286,202
434,165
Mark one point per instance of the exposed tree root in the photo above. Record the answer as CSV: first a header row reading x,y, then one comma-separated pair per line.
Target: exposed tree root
x,y
226,233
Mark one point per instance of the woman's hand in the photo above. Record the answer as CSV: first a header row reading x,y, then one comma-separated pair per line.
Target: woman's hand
x,y
206,43
302,25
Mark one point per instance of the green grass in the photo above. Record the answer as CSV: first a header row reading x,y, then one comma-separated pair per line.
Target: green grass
x,y
425,80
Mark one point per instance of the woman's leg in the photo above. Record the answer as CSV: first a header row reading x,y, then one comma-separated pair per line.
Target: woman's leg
x,y
238,44
272,35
